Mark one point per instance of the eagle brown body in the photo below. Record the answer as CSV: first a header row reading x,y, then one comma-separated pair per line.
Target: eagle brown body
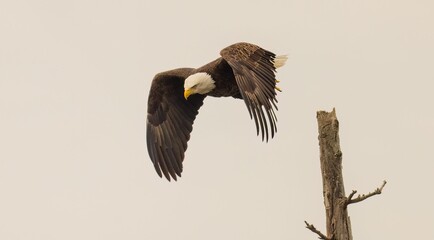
x,y
243,71
221,72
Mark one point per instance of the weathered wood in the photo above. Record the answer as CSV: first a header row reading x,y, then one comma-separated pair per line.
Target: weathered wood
x,y
335,201
337,220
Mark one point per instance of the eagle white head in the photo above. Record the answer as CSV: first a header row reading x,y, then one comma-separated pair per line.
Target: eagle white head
x,y
200,82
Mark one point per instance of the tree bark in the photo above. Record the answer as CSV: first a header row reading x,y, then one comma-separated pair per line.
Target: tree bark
x,y
335,201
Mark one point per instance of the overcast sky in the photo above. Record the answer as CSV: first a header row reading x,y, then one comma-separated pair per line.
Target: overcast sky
x,y
74,81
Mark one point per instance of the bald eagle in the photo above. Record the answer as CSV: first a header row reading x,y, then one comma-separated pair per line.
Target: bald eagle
x,y
244,71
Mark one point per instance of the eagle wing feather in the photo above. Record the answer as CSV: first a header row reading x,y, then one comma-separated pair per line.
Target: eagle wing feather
x,y
170,121
254,72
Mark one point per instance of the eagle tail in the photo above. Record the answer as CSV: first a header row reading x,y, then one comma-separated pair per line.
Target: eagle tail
x,y
279,61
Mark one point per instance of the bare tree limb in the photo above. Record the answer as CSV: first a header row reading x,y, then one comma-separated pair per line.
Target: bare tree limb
x,y
362,197
351,195
313,229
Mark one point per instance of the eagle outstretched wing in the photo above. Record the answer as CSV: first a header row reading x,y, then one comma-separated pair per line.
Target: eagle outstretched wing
x,y
170,121
254,70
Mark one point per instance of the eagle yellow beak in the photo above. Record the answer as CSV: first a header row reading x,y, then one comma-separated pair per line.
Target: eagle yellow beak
x,y
187,93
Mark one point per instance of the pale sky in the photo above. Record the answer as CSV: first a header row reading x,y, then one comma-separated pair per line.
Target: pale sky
x,y
74,81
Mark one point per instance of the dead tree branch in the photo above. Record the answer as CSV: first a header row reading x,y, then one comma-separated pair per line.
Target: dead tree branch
x,y
362,197
313,229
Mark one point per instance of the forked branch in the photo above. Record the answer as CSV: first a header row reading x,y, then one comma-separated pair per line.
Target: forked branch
x,y
313,229
362,197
